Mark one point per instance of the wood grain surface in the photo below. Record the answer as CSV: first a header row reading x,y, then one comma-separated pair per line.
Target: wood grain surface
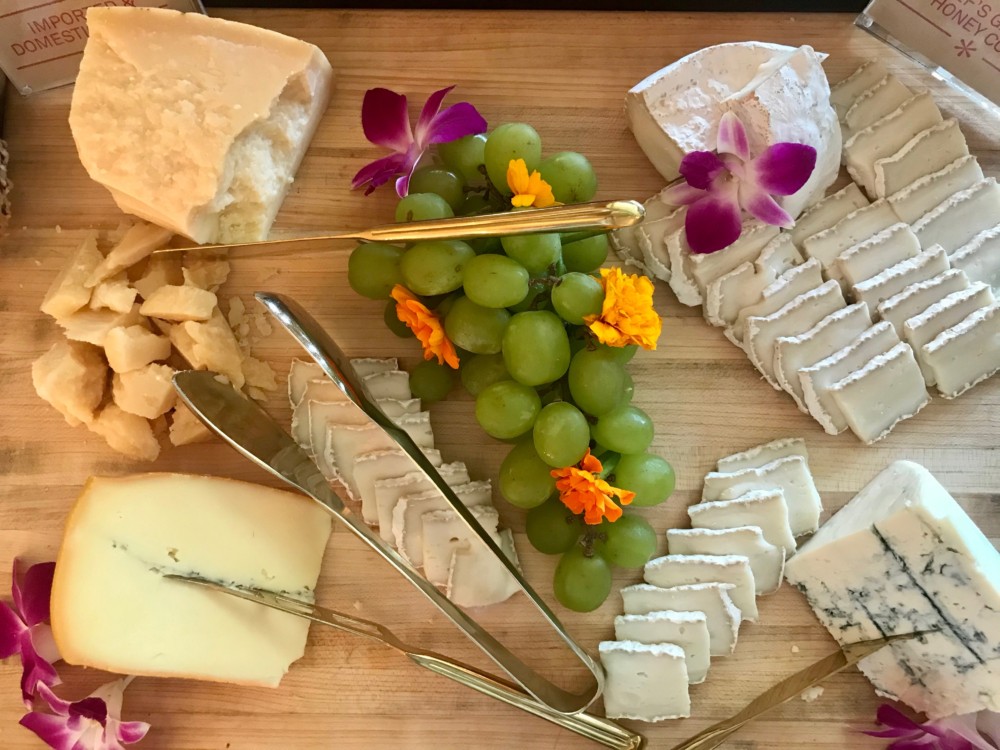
x,y
566,74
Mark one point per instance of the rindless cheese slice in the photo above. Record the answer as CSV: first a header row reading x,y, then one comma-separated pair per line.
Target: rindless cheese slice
x,y
765,509
845,93
926,153
875,103
872,256
784,289
679,570
916,298
689,630
967,353
112,608
961,217
856,227
893,280
710,598
755,457
766,561
980,258
828,212
928,192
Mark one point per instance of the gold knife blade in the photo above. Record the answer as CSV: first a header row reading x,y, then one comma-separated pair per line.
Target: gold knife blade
x,y
790,687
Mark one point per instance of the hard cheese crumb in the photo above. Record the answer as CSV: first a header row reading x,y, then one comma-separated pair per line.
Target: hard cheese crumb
x,y
811,694
795,649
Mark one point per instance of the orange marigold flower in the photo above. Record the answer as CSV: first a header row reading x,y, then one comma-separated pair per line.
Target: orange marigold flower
x,y
426,325
529,190
627,316
582,490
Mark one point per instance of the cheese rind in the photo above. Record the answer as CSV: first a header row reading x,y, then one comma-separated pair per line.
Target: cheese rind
x,y
679,570
957,220
916,298
875,103
926,152
766,560
827,212
689,630
856,227
880,251
646,682
784,289
755,457
893,280
712,599
929,191
845,93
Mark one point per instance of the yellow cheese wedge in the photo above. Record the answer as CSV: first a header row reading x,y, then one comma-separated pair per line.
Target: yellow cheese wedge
x,y
113,609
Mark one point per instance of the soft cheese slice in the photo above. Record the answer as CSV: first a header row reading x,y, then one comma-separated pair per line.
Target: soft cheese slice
x,y
886,136
366,366
916,298
395,409
408,515
745,284
967,353
645,682
927,152
834,332
789,474
322,413
712,599
388,384
755,457
903,556
929,191
707,267
895,279
856,227
389,486
961,217
817,380
765,509
112,608
827,212
445,534
310,391
980,258
661,220
875,103
784,289
681,282
880,251
625,242
300,374
845,93
887,390
939,317
680,570
369,468
689,630
477,578
766,560
798,316
345,442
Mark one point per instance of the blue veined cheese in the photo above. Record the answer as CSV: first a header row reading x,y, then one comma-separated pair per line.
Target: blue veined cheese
x,y
875,103
755,457
845,93
903,556
787,287
765,509
828,212
678,570
689,630
644,681
927,152
713,599
916,298
929,191
961,217
980,258
966,354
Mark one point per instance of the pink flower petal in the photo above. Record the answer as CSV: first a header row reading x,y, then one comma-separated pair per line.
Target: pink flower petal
x,y
783,168
413,158
130,732
385,119
699,168
713,223
428,113
682,194
379,172
764,208
37,674
31,597
11,628
732,137
454,122
58,732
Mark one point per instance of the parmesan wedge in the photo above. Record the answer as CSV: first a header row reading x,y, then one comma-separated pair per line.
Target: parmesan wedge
x,y
766,561
967,353
160,270
722,616
132,347
961,217
71,377
180,303
129,434
139,241
916,298
93,326
929,191
210,346
925,153
113,294
186,428
148,391
678,570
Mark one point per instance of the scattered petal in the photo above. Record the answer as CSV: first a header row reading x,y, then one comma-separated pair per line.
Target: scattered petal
x,y
713,222
783,168
385,120
379,172
456,121
700,168
528,190
960,732
11,628
732,138
92,723
32,597
428,112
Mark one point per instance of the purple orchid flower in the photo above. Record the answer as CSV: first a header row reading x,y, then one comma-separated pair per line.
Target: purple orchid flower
x,y
719,186
93,723
965,732
23,629
386,122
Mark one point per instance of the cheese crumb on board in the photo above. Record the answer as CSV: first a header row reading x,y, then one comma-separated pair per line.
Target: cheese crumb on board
x,y
147,392
179,303
813,693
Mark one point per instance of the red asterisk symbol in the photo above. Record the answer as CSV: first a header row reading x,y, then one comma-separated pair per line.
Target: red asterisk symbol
x,y
965,48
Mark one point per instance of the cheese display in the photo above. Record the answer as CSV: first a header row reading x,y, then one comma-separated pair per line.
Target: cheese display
x,y
112,608
247,102
903,556
647,682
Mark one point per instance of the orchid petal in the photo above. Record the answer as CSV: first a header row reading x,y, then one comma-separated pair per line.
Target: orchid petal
x,y
385,119
988,724
699,168
379,171
37,674
409,167
58,732
430,110
11,628
32,596
130,732
764,208
732,138
713,222
783,168
456,121
682,194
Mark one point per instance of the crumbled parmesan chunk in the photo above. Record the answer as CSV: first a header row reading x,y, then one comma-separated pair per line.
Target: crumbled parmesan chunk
x,y
179,303
113,294
136,244
205,271
71,376
161,270
129,348
210,346
186,428
93,326
127,433
67,294
147,392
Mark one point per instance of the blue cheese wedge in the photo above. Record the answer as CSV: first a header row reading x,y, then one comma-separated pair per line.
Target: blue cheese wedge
x,y
766,560
689,630
707,267
916,298
411,510
980,258
961,217
445,534
927,152
875,103
651,235
880,251
967,353
895,279
679,570
755,457
827,212
644,682
789,474
787,287
712,599
856,227
929,191
845,93
887,390
477,578
903,556
765,509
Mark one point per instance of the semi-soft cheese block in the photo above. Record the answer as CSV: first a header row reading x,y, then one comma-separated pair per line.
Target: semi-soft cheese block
x,y
113,609
647,682
689,630
679,570
711,598
197,124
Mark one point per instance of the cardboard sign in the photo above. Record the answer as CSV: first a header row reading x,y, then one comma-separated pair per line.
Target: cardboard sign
x,y
41,42
961,36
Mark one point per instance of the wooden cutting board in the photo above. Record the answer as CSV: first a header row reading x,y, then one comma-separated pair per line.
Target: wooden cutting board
x,y
566,73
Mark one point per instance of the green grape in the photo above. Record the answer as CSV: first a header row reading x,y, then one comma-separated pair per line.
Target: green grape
x,y
435,267
422,206
513,140
475,203
561,434
535,347
586,255
577,295
650,477
537,299
625,429
444,305
486,245
495,281
394,324
465,156
596,381
374,269
440,182
482,370
628,542
536,252
525,479
430,382
582,580
476,328
507,409
629,388
551,527
571,177
621,354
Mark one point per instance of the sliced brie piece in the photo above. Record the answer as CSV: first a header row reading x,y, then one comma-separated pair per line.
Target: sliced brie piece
x,y
828,212
765,509
967,353
369,468
895,279
784,289
322,413
766,560
856,227
872,256
723,617
408,515
344,442
394,408
681,282
645,682
875,103
845,93
388,384
929,191
680,570
834,332
689,630
418,427
390,488
817,380
881,394
961,217
366,366
916,298
445,534
790,474
320,391
798,316
707,267
625,242
939,317
745,284
927,152
980,258
661,220
759,455
886,136
477,578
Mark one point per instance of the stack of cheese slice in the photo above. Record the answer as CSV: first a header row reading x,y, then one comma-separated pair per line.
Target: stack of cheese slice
x,y
694,599
903,557
394,494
